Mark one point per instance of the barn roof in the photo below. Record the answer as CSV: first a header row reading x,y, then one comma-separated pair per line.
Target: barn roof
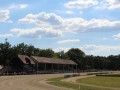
x,y
25,59
53,61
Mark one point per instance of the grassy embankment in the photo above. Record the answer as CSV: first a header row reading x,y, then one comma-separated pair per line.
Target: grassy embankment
x,y
112,81
58,82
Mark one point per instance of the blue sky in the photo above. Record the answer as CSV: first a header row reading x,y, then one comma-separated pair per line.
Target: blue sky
x,y
91,25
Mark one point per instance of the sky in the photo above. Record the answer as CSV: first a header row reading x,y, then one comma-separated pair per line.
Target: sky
x,y
90,25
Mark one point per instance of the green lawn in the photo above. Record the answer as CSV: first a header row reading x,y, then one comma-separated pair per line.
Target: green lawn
x,y
58,82
107,81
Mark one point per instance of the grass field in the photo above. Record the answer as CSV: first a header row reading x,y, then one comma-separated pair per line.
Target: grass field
x,y
58,82
106,81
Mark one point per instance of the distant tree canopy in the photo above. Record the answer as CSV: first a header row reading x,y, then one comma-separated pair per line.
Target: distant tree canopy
x,y
46,53
85,62
62,55
5,52
76,55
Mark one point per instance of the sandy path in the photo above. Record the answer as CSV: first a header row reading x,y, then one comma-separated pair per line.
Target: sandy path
x,y
73,79
30,82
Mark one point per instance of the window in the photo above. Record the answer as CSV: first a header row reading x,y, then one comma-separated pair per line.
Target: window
x,y
27,60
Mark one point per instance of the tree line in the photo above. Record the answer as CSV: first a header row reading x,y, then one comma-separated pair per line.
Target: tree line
x,y
85,62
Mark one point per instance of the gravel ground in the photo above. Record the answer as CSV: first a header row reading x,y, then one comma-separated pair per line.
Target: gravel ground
x,y
28,82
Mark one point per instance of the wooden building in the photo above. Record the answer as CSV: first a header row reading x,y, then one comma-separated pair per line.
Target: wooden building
x,y
24,64
51,65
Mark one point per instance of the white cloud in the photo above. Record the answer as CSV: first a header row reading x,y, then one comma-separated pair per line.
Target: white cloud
x,y
6,35
96,4
42,19
53,22
108,4
117,36
20,6
56,24
4,16
69,12
101,50
81,4
23,6
48,25
68,41
81,25
65,49
37,32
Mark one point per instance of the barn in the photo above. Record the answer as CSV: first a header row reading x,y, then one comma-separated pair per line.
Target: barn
x,y
24,64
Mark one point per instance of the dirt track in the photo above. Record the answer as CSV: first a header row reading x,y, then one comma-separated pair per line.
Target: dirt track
x,y
30,82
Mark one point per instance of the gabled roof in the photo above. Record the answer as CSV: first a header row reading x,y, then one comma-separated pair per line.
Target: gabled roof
x,y
53,61
25,59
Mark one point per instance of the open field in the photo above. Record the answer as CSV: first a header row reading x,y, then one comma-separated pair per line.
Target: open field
x,y
71,85
88,82
112,81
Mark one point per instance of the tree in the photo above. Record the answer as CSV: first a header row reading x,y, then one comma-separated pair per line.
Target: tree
x,y
24,49
46,53
76,55
62,55
20,49
5,52
114,63
30,50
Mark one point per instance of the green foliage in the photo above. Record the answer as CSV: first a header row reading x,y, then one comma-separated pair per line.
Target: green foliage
x,y
46,53
62,55
5,52
76,55
55,79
